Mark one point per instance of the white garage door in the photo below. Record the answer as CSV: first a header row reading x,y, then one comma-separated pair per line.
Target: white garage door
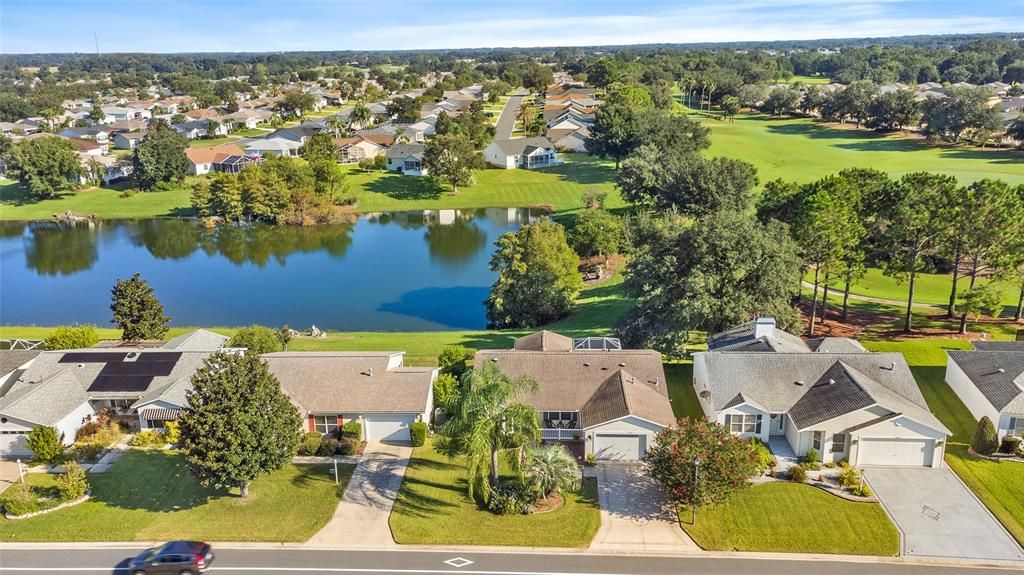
x,y
624,447
904,452
392,427
14,445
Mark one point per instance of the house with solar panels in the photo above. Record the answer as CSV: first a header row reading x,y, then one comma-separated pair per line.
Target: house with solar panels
x,y
60,389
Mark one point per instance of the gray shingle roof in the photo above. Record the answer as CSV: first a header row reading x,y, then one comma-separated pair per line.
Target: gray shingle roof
x,y
12,359
998,375
406,150
778,381
998,345
835,393
198,340
741,338
835,345
544,341
519,146
621,395
44,402
346,382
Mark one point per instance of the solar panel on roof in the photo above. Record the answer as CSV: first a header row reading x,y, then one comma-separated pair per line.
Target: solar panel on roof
x,y
88,357
121,383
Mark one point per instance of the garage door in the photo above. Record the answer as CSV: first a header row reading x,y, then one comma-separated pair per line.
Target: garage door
x,y
14,445
389,427
904,452
624,447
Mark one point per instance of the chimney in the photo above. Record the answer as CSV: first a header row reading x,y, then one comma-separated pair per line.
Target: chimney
x,y
764,327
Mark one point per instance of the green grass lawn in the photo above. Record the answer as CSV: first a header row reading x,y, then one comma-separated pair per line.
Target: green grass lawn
x,y
811,79
999,485
798,149
787,517
151,496
598,310
251,132
210,142
432,509
680,390
16,204
928,288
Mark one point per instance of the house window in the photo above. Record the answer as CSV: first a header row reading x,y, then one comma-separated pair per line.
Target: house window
x,y
746,423
325,423
816,440
1016,427
839,443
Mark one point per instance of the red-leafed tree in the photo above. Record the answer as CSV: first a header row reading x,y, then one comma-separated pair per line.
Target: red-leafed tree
x,y
726,462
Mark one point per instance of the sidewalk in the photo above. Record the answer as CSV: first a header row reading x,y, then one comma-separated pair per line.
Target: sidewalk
x,y
361,519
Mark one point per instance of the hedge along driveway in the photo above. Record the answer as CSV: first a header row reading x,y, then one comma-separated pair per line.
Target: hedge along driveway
x,y
151,496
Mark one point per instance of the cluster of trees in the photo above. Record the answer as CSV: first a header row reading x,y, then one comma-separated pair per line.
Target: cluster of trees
x,y
45,167
472,125
917,223
965,111
279,189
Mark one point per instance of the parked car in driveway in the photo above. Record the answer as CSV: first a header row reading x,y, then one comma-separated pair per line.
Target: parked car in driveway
x,y
173,558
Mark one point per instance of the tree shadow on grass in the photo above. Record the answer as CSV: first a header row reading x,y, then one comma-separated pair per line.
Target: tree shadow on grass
x,y
13,195
818,131
413,500
1009,157
317,473
884,145
584,170
401,187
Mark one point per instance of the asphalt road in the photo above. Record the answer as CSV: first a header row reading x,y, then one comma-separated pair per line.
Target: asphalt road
x,y
309,561
507,118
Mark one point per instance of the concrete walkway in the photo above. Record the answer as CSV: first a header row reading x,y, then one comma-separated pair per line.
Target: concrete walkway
x,y
361,519
507,119
784,454
636,516
939,516
8,474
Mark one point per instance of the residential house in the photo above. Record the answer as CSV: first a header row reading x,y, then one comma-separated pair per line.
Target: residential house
x,y
62,388
990,381
611,400
372,388
535,152
299,134
406,159
828,394
247,119
128,140
99,134
203,114
196,129
108,169
273,147
120,114
570,140
223,158
357,148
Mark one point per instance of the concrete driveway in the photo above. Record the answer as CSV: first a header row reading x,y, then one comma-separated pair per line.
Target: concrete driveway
x,y
635,514
939,516
8,474
361,519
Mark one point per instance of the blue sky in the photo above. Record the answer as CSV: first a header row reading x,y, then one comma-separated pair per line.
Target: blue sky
x,y
282,25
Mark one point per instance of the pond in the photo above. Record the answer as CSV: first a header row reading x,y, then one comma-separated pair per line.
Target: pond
x,y
398,271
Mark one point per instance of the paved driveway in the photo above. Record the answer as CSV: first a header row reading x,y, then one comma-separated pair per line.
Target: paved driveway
x,y
939,515
635,514
8,474
507,118
361,519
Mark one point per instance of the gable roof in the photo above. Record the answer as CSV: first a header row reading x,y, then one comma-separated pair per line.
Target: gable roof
x,y
212,153
197,340
602,383
519,146
998,345
998,375
406,151
352,382
12,359
742,338
835,345
778,381
836,392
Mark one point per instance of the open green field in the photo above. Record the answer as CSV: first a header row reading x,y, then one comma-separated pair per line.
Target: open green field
x,y
928,288
791,518
432,509
810,79
16,204
798,149
999,485
151,496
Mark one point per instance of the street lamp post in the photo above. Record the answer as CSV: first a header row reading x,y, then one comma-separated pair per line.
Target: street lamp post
x,y
693,506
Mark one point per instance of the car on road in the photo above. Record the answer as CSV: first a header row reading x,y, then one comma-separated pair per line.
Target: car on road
x,y
173,558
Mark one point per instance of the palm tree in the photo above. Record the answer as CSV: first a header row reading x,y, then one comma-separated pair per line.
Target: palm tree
x,y
527,112
553,468
360,114
489,420
336,125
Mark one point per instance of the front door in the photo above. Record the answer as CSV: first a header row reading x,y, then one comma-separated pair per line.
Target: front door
x,y
778,425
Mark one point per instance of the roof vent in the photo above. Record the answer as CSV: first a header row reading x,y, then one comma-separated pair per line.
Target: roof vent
x,y
1001,370
132,356
586,364
831,381
494,359
622,364
798,382
369,372
657,381
892,366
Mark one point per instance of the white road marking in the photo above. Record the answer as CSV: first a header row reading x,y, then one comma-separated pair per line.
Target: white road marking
x,y
458,562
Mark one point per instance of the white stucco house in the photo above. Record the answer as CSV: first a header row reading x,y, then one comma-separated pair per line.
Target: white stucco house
x,y
592,392
406,159
828,394
372,388
536,152
990,381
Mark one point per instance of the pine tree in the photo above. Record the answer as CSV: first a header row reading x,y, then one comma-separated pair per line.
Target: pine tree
x,y
137,311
